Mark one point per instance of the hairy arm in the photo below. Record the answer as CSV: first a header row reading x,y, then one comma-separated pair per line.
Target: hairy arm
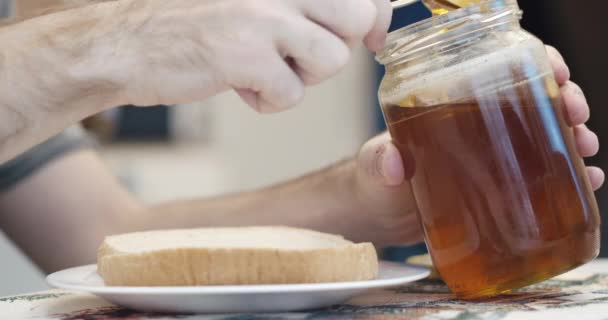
x,y
26,9
58,68
54,71
75,201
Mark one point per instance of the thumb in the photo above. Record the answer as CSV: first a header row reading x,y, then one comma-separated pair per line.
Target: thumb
x,y
379,161
376,38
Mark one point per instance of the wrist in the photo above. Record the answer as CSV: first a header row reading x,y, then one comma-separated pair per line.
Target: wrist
x,y
343,202
101,58
65,56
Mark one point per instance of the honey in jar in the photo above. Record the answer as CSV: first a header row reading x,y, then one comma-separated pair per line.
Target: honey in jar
x,y
439,7
473,106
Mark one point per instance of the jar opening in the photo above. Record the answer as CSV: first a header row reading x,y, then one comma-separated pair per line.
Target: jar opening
x,y
448,30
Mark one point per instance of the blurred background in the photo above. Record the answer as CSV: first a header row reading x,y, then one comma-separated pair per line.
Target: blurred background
x,y
220,145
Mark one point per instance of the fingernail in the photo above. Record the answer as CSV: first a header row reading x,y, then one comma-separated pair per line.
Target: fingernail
x,y
380,43
579,91
380,156
390,168
250,97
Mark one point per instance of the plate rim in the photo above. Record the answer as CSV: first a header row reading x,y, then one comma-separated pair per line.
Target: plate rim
x,y
423,273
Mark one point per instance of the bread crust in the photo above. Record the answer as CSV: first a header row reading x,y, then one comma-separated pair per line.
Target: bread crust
x,y
236,266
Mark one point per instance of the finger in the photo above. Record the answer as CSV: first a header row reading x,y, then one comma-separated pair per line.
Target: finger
x,y
587,142
560,68
349,20
380,162
376,38
411,231
317,53
250,97
277,88
577,108
596,177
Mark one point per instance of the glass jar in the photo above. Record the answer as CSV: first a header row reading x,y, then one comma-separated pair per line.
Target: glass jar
x,y
472,104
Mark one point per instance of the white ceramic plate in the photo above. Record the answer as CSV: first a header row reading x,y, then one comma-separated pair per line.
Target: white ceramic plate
x,y
232,299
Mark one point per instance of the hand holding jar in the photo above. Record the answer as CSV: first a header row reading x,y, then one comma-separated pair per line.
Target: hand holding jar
x,y
390,217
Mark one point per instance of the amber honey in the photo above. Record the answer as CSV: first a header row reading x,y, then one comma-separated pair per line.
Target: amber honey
x,y
501,191
440,7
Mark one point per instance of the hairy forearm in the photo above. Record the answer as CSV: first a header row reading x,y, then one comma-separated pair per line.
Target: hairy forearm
x,y
316,201
27,9
91,204
54,71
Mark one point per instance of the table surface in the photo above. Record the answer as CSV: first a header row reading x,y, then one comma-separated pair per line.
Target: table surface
x,y
580,294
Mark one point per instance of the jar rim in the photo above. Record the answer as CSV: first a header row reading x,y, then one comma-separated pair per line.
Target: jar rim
x,y
403,44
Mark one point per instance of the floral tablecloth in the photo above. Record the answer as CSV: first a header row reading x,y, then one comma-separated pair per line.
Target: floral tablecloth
x,y
581,294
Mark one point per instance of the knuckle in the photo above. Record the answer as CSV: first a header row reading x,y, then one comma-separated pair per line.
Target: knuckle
x,y
554,53
288,92
571,89
359,17
334,7
575,88
293,95
551,49
579,116
308,78
339,57
591,134
331,55
251,6
368,16
273,16
560,68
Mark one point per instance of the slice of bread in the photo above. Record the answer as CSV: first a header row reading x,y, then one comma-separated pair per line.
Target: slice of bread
x,y
233,256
